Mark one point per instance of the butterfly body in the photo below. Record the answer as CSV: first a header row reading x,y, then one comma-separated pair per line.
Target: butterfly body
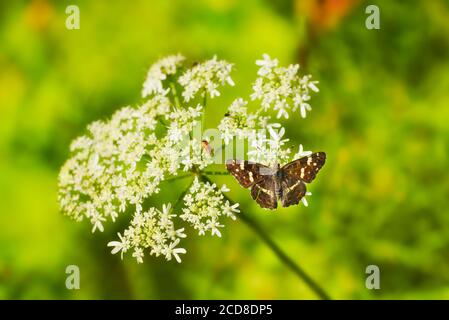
x,y
277,178
287,183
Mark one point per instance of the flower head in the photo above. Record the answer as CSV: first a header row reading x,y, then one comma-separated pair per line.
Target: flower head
x,y
158,72
204,206
205,78
237,122
282,88
269,149
121,162
152,230
105,172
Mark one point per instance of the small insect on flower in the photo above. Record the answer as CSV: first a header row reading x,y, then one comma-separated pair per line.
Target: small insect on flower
x,y
286,183
207,147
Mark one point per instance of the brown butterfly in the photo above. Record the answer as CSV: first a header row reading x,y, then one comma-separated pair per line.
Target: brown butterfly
x,y
270,184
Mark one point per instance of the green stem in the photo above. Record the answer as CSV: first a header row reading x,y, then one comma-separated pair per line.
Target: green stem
x,y
284,257
162,121
204,110
181,196
278,251
178,177
175,94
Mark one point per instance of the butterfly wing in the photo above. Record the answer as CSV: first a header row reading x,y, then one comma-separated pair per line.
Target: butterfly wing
x,y
264,192
305,168
261,179
292,191
247,173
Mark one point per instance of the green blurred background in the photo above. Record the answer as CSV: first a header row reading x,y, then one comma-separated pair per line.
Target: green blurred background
x,y
382,116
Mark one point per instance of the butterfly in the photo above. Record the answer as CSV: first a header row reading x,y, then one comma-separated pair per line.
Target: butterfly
x,y
268,184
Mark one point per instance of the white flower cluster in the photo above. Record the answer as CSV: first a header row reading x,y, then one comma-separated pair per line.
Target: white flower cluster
x,y
105,172
153,230
191,155
237,122
204,204
159,72
269,150
205,78
121,162
281,88
263,147
276,87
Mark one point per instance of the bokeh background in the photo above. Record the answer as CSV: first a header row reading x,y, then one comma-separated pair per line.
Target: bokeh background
x,y
382,116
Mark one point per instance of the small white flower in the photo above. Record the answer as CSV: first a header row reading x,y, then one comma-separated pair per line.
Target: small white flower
x,y
180,233
304,107
119,246
266,65
269,150
213,226
229,210
97,223
312,86
158,72
171,250
238,122
282,108
138,254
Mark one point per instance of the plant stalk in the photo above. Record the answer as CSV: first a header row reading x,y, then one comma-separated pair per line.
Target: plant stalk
x,y
315,287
